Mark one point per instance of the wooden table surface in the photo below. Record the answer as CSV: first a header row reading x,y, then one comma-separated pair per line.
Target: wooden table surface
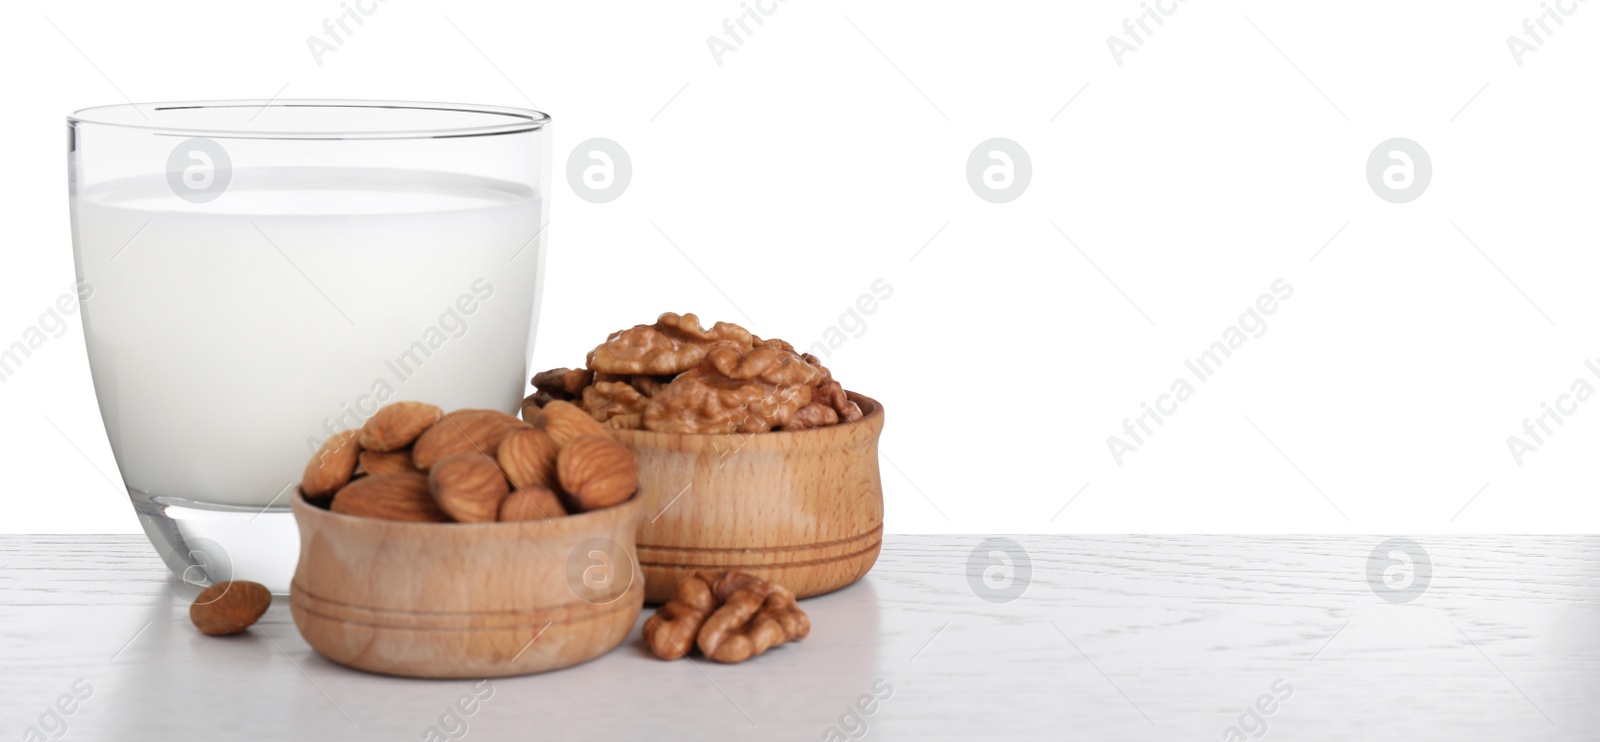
x,y
1111,638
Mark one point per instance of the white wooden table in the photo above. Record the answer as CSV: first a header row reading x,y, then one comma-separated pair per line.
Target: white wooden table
x,y
1114,638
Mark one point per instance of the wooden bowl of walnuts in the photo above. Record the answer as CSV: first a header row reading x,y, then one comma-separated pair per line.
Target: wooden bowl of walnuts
x,y
803,509
436,545
752,458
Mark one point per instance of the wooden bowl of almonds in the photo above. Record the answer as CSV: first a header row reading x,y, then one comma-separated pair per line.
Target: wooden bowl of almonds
x,y
752,458
467,545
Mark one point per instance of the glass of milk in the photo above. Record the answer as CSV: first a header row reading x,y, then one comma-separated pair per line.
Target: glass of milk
x,y
264,274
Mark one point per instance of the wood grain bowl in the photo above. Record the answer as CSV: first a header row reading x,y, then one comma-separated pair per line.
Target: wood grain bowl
x,y
455,600
801,508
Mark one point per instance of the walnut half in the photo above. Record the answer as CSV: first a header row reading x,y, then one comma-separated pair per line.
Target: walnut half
x,y
731,616
562,383
702,400
606,401
674,344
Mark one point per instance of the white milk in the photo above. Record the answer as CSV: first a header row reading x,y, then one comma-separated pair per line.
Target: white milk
x,y
228,338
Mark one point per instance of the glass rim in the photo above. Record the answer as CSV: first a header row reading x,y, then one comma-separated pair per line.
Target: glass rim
x,y
132,116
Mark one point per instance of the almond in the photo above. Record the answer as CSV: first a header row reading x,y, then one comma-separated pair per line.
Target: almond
x,y
390,497
229,607
394,427
565,421
330,468
464,431
386,462
469,487
528,458
531,503
597,472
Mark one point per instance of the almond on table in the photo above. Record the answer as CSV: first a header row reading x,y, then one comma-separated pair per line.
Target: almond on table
x,y
229,607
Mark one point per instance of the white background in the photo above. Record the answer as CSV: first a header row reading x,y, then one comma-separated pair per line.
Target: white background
x,y
830,150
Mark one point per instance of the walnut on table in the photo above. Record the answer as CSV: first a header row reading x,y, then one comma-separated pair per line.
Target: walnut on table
x,y
730,616
671,632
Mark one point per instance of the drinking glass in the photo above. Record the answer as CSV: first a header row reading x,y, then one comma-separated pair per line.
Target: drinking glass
x,y
265,274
